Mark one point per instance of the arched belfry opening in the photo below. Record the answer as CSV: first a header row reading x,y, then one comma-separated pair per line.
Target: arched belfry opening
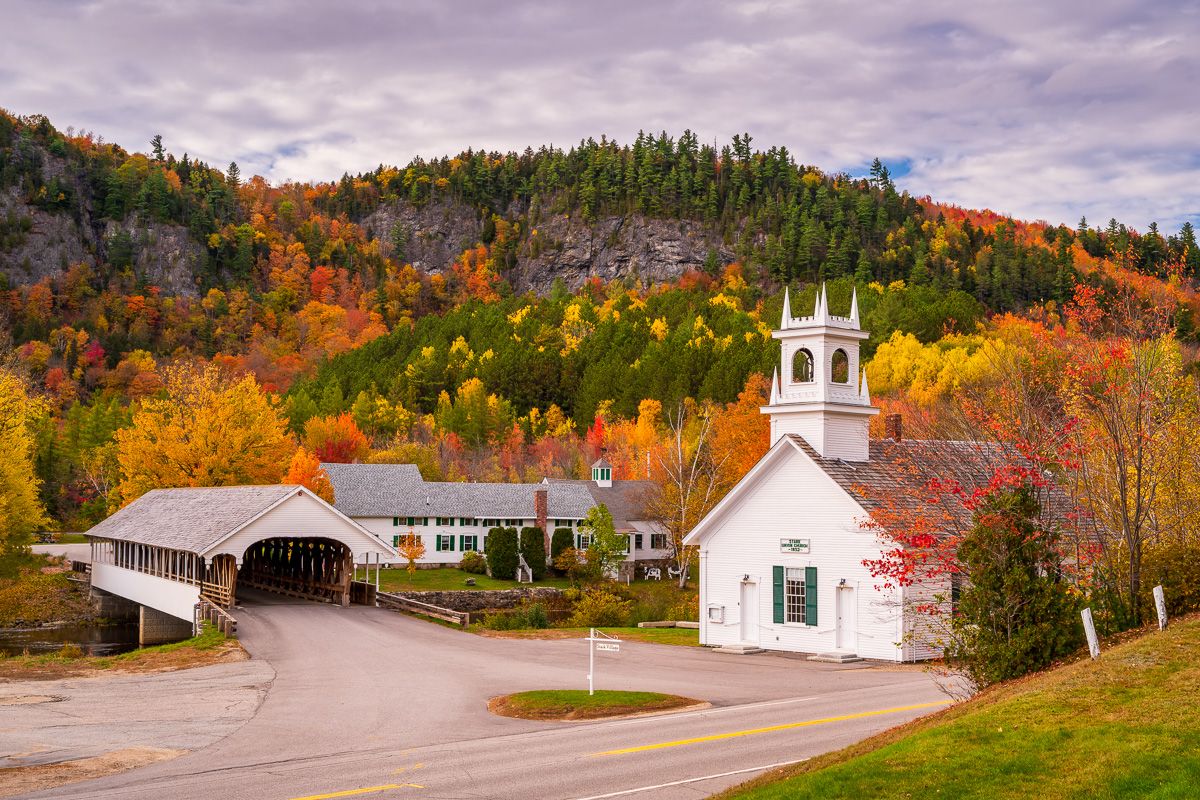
x,y
839,367
802,366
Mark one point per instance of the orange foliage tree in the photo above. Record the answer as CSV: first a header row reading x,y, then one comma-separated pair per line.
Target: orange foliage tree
x,y
336,439
306,471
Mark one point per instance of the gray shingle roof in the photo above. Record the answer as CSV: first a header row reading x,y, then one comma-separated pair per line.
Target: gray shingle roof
x,y
625,500
192,519
397,490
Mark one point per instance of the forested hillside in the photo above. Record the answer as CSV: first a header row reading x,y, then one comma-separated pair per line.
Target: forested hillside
x,y
490,315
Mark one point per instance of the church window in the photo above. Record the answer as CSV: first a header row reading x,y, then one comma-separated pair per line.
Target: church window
x,y
802,367
794,592
840,368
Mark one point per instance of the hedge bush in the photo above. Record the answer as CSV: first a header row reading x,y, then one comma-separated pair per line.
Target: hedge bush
x,y
533,547
562,539
501,552
474,563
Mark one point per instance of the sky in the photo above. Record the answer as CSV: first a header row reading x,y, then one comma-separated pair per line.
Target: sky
x,y
1041,110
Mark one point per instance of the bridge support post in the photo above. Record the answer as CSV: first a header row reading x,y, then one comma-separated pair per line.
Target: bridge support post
x,y
156,627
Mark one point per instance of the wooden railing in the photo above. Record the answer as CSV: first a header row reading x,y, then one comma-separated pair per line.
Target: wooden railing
x,y
210,611
363,593
82,567
401,603
217,593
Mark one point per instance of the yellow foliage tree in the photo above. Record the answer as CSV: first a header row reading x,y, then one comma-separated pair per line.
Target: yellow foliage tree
x,y
206,431
20,511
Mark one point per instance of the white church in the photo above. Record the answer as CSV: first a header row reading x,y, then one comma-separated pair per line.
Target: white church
x,y
781,556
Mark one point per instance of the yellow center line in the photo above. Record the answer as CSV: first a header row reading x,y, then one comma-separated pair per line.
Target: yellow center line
x,y
765,730
359,791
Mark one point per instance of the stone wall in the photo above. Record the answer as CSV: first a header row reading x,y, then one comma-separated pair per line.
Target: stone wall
x,y
156,627
495,599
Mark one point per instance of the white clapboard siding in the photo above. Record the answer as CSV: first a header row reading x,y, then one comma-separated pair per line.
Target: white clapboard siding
x,y
796,499
301,516
922,639
167,596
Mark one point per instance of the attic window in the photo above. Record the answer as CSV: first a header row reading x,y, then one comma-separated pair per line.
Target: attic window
x,y
802,367
840,367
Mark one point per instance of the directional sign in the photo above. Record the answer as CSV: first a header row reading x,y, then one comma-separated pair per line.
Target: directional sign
x,y
613,646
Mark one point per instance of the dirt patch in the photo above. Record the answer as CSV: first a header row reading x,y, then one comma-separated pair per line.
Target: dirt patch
x,y
136,663
19,780
28,699
509,706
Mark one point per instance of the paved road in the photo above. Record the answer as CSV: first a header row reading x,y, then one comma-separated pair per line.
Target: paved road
x,y
75,552
365,698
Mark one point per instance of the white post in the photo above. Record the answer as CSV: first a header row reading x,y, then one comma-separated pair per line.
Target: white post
x,y
591,659
1089,628
1160,603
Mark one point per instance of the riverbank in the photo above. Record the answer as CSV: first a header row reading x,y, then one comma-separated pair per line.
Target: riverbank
x,y
39,592
207,649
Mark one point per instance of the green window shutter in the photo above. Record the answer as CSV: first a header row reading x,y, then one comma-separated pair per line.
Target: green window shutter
x,y
437,542
450,542
395,541
395,521
777,576
810,595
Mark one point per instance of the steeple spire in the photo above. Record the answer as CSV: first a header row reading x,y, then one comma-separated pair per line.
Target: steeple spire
x,y
824,305
787,311
775,387
863,391
854,307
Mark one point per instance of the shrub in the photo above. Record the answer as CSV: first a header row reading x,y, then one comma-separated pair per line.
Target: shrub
x,y
563,539
474,563
533,547
501,552
600,609
528,616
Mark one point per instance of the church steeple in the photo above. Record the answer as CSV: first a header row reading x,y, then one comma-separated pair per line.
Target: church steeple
x,y
818,394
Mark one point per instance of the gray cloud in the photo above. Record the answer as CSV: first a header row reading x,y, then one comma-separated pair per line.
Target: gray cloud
x,y
1038,110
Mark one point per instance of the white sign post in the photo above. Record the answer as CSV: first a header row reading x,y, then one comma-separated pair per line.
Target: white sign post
x,y
1089,628
1160,603
601,642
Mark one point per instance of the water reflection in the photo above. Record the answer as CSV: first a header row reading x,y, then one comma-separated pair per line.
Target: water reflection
x,y
93,640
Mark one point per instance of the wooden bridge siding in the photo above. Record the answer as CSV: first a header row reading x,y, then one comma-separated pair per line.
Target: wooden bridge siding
x,y
161,562
298,517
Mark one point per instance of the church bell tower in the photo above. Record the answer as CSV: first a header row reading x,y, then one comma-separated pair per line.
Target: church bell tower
x,y
818,393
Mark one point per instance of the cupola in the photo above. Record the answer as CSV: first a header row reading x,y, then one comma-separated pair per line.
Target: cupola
x,y
602,473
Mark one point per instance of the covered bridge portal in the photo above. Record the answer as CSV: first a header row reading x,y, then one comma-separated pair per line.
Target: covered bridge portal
x,y
170,546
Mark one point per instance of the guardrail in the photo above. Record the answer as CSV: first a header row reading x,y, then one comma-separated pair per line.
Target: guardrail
x,y
82,567
210,611
401,603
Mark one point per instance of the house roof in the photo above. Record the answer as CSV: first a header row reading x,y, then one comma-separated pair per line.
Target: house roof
x,y
191,519
624,499
397,490
601,463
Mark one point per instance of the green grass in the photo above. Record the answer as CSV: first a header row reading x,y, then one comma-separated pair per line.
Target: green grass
x,y
686,637
578,704
1125,725
446,579
70,538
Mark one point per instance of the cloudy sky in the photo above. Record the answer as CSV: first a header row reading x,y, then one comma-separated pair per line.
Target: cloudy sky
x,y
1042,110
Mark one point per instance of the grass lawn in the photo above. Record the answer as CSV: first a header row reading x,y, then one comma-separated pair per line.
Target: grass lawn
x,y
685,637
445,579
70,538
1124,725
210,647
569,704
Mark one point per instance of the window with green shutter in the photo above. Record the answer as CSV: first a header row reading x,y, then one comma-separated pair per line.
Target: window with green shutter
x,y
395,521
810,595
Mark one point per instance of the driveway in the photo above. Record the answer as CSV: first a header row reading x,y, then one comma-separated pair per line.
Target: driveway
x,y
363,697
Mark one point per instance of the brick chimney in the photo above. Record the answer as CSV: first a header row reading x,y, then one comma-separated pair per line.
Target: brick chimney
x,y
539,508
893,427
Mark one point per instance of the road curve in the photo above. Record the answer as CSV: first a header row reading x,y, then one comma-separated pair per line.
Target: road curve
x,y
365,698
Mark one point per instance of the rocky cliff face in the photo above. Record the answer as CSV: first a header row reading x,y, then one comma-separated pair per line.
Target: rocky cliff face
x,y
610,248
38,244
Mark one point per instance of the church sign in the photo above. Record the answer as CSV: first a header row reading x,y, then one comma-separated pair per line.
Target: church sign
x,y
793,545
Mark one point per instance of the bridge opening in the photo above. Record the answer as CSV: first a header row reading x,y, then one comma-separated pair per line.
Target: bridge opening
x,y
311,568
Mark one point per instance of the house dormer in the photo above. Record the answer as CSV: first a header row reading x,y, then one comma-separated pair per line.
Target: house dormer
x,y
602,473
817,393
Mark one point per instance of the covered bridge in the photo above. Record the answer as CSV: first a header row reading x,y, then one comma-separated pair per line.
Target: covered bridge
x,y
170,546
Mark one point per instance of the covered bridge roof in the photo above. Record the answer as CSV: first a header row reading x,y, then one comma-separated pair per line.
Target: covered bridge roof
x,y
199,519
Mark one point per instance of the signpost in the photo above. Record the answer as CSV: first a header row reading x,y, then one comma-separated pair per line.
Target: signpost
x,y
598,642
1160,604
1089,628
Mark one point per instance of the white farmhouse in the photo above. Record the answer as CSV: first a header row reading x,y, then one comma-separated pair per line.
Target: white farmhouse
x,y
781,556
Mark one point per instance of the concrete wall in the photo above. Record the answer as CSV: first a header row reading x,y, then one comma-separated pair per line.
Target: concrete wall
x,y
155,627
170,597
